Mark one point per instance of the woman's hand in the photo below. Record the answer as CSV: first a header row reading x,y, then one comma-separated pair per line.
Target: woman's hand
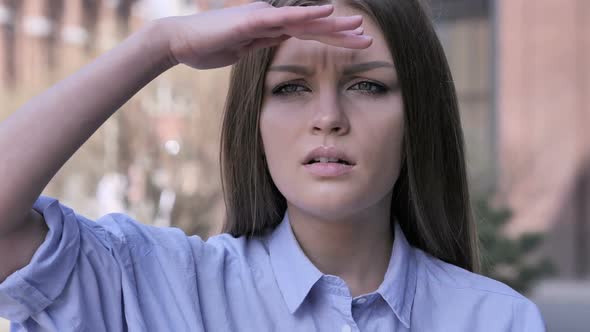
x,y
218,38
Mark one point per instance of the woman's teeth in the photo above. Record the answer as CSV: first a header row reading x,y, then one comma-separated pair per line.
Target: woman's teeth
x,y
326,160
329,160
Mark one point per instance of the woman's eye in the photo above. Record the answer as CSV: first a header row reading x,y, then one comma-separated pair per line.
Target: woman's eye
x,y
364,87
369,87
289,89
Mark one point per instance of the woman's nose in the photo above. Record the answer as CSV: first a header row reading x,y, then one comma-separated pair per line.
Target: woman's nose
x,y
329,117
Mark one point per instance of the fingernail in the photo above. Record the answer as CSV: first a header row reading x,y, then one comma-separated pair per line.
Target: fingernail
x,y
358,30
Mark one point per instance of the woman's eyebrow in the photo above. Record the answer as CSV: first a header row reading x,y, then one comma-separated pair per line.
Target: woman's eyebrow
x,y
362,67
348,70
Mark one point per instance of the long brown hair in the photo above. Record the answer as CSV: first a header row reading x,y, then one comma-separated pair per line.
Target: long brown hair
x,y
430,198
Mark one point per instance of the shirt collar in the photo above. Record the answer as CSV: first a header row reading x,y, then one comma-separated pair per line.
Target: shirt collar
x,y
399,284
296,274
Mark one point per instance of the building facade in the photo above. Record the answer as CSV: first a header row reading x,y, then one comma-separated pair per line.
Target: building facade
x,y
543,104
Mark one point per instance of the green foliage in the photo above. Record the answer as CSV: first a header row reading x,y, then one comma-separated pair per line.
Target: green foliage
x,y
513,261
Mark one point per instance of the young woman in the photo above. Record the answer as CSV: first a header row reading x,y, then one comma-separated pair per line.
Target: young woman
x,y
343,168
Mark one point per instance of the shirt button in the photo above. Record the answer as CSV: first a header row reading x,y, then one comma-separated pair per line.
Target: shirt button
x,y
346,328
361,300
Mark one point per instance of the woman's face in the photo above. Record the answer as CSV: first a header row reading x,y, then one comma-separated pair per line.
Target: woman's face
x,y
342,104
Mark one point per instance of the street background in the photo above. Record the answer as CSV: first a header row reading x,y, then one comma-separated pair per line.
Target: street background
x,y
522,72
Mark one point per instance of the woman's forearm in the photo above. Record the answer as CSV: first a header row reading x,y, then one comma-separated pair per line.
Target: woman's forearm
x,y
37,139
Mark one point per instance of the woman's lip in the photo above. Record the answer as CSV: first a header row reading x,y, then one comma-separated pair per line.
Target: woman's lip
x,y
328,169
327,152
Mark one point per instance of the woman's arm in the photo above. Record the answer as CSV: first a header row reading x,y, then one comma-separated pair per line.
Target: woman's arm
x,y
40,137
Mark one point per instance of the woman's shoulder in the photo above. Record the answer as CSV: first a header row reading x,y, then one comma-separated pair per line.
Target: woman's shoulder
x,y
120,231
220,246
450,276
451,291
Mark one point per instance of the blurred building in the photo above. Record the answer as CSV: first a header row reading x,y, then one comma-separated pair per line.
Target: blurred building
x,y
544,112
522,71
465,28
156,158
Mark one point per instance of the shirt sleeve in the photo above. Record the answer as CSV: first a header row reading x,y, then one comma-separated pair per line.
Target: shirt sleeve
x,y
74,280
527,317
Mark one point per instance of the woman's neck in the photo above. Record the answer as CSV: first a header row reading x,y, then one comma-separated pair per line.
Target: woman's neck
x,y
356,248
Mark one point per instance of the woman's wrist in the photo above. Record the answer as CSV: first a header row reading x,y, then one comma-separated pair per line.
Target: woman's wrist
x,y
155,40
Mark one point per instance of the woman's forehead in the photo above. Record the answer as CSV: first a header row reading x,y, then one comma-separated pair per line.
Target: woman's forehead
x,y
316,54
301,51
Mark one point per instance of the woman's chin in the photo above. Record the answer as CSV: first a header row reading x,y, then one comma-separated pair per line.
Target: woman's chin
x,y
338,204
327,208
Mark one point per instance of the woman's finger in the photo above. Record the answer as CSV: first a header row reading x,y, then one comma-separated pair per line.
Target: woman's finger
x,y
258,4
326,25
358,31
317,26
348,39
265,42
275,19
274,41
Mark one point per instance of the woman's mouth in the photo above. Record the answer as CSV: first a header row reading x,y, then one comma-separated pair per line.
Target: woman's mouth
x,y
328,161
325,167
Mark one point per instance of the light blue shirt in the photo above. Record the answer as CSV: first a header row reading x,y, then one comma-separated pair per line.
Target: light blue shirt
x,y
116,274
